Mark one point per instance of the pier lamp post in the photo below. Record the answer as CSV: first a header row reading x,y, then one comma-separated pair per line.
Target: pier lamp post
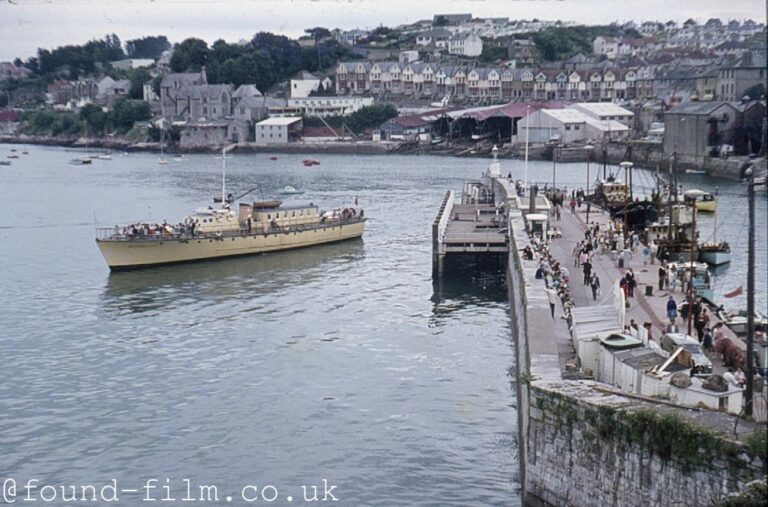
x,y
627,167
691,196
588,147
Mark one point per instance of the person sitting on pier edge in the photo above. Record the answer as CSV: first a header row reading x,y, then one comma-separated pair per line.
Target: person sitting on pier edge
x,y
671,309
527,253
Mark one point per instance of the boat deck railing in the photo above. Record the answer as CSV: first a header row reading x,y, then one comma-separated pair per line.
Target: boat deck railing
x,y
125,233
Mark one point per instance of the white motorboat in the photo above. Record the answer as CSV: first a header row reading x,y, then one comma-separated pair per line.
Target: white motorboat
x,y
290,190
737,320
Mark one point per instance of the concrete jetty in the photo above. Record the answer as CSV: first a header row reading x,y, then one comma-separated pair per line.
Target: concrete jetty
x,y
582,441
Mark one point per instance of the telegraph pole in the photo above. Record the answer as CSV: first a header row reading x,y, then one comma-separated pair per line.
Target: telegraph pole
x,y
749,393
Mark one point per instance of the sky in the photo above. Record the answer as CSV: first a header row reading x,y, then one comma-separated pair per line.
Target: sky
x,y
26,25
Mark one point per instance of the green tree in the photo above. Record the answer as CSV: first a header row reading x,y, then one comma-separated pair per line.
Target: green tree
x,y
147,47
370,116
755,92
126,112
138,77
318,33
95,118
190,55
492,53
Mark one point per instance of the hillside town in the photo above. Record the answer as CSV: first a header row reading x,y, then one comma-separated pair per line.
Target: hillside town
x,y
453,82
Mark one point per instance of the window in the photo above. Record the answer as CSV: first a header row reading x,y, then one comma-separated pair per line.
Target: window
x,y
567,127
577,127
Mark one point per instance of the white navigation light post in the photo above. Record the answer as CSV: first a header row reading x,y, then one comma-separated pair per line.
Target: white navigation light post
x,y
589,157
527,130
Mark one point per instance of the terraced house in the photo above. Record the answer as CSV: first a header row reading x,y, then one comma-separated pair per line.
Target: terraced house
x,y
597,83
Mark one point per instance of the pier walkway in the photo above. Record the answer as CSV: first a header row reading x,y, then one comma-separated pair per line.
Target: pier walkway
x,y
642,308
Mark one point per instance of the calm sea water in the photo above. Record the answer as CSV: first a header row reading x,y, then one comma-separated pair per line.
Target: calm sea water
x,y
343,362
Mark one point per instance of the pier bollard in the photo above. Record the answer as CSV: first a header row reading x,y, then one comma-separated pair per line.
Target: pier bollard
x,y
649,290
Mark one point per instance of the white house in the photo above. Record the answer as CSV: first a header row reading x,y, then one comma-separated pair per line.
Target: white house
x,y
611,47
465,44
328,106
132,63
278,130
564,125
605,111
304,83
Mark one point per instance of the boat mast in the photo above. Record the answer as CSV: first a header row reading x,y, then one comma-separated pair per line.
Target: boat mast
x,y
223,176
527,130
750,363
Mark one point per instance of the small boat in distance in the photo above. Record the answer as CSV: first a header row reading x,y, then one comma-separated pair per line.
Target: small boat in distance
x,y
5,162
81,161
178,158
290,190
104,155
13,155
272,158
695,171
309,162
707,203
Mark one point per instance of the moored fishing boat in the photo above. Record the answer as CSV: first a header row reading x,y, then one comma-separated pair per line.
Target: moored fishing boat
x,y
218,231
715,253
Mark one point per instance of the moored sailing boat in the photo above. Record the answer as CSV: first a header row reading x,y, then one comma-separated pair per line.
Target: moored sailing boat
x,y
715,253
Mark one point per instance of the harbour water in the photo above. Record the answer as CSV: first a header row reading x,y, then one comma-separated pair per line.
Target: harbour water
x,y
339,362
343,362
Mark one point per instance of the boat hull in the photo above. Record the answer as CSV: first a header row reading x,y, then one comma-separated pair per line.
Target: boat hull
x,y
707,206
715,257
124,254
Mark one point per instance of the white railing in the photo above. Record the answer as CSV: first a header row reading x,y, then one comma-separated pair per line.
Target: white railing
x,y
443,217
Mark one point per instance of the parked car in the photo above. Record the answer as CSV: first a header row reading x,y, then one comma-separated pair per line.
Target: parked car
x,y
701,363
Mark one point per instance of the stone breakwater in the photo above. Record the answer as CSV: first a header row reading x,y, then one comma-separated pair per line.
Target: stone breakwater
x,y
583,444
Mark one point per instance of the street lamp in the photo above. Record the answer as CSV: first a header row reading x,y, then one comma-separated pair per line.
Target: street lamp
x,y
627,167
589,157
691,196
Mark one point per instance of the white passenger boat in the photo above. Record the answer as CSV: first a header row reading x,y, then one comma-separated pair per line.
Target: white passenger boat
x,y
221,230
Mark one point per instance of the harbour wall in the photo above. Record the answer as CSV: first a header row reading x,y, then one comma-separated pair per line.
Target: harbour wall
x,y
583,444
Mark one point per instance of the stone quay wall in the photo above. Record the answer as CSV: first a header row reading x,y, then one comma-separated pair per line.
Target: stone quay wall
x,y
583,444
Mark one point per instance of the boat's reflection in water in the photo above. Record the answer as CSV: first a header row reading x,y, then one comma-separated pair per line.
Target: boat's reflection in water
x,y
222,280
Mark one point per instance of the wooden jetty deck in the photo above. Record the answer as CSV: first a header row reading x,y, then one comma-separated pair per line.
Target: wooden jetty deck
x,y
468,228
